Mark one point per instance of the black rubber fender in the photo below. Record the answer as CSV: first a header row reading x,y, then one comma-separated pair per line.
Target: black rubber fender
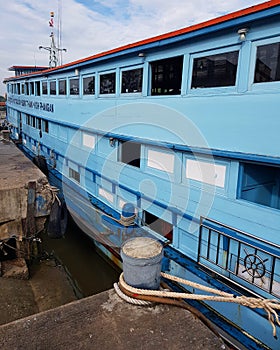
x,y
41,163
58,220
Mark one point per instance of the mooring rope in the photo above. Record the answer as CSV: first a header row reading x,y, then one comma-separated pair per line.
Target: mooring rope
x,y
269,305
123,220
130,299
126,220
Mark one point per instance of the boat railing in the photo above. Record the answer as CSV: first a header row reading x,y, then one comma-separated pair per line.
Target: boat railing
x,y
240,257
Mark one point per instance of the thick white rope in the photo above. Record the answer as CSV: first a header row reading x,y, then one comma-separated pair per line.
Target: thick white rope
x,y
129,299
269,305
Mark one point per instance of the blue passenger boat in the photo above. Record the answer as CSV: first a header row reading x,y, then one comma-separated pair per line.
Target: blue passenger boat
x,y
175,137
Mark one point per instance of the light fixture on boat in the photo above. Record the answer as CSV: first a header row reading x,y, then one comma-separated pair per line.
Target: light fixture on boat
x,y
141,54
112,142
77,71
242,33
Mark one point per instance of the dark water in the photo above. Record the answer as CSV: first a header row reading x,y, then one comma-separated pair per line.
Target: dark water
x,y
89,272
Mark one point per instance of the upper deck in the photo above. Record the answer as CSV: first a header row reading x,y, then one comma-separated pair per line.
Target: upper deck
x,y
209,79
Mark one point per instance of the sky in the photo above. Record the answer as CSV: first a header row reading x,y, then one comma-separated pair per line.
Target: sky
x,y
88,27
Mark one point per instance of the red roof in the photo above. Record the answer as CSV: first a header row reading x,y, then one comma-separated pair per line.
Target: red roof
x,y
27,67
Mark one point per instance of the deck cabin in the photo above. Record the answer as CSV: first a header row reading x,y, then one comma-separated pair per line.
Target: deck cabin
x,y
185,127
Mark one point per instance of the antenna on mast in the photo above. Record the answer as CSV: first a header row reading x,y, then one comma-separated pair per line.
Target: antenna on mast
x,y
55,51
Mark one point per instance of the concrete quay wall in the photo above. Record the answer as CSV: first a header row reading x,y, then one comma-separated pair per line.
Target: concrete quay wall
x,y
25,195
106,322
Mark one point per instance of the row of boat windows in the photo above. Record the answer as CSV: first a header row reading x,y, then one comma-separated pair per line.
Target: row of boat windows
x,y
38,123
218,70
258,183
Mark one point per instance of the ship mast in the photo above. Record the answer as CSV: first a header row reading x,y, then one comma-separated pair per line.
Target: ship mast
x,y
54,57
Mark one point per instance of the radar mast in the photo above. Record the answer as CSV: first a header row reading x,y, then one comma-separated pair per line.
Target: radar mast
x,y
54,51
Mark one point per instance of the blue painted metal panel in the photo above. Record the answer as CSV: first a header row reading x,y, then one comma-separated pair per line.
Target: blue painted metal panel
x,y
223,126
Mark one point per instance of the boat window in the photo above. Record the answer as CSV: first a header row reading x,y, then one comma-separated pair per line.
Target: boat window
x,y
132,80
167,76
22,89
74,86
39,123
38,88
44,88
260,184
215,70
73,174
32,121
45,124
18,88
267,63
108,83
53,87
26,89
162,161
130,153
158,225
89,85
31,88
89,140
28,119
62,87
206,172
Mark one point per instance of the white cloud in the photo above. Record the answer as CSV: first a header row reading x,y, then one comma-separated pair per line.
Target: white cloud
x,y
103,25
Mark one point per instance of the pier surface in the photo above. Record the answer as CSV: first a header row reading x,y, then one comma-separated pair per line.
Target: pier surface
x,y
104,321
25,197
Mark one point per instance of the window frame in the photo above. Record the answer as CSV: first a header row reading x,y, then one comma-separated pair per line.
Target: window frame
x,y
181,55
55,90
153,226
121,156
26,88
74,175
243,187
32,88
65,87
203,185
69,86
261,85
87,76
42,87
38,88
126,69
158,171
100,74
219,89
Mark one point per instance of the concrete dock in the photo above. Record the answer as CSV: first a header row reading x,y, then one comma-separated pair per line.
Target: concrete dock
x,y
106,322
25,199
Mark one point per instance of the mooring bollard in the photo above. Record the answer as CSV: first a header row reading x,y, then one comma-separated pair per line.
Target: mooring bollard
x,y
142,258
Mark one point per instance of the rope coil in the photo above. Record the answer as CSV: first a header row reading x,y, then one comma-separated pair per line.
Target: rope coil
x,y
269,305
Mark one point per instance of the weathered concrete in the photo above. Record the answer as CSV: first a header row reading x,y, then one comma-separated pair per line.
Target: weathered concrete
x,y
15,268
25,196
106,322
48,287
